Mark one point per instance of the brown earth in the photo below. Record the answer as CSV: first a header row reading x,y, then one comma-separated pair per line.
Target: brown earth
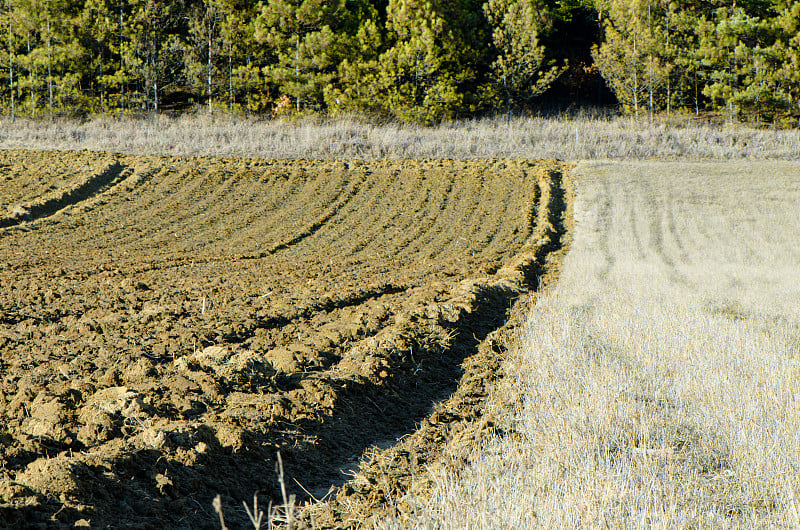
x,y
169,325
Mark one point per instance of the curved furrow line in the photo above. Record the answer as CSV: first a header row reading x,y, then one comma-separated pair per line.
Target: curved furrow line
x,y
470,213
77,224
511,224
348,222
633,219
438,221
51,203
371,220
676,235
288,223
239,238
216,198
401,207
150,211
27,176
323,217
404,232
227,222
466,213
155,224
424,218
264,224
256,200
462,212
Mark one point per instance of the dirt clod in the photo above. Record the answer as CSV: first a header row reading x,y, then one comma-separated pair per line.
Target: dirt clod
x,y
168,326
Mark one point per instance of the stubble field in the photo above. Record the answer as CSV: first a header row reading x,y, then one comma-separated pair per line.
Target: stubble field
x,y
169,325
657,385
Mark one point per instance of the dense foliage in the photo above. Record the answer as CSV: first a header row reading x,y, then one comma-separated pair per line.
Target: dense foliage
x,y
415,60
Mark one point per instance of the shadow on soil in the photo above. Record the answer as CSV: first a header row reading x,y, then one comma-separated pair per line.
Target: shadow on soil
x,y
144,490
50,204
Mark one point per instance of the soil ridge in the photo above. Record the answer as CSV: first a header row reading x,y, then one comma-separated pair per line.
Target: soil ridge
x,y
387,477
53,202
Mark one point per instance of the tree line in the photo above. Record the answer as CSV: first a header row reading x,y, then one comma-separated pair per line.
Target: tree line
x,y
412,60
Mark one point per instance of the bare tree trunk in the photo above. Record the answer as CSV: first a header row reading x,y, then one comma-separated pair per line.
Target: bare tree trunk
x,y
231,96
121,62
49,68
209,27
650,64
650,74
154,70
669,95
30,80
635,80
11,61
297,65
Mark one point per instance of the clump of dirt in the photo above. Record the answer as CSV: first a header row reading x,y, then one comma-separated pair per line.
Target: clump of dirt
x,y
172,324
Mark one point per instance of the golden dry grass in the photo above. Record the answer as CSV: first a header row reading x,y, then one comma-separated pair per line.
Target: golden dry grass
x,y
573,138
658,384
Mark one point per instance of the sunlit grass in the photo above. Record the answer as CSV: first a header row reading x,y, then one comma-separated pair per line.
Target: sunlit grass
x,y
657,385
570,137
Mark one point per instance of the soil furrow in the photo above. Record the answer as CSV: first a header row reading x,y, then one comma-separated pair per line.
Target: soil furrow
x,y
145,373
51,203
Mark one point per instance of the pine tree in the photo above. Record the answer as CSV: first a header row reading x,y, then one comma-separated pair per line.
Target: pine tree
x,y
154,50
209,50
521,67
430,70
249,86
631,58
358,86
10,53
787,49
304,37
738,53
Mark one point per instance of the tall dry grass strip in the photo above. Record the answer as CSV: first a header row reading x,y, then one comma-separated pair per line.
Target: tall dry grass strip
x,y
575,137
659,383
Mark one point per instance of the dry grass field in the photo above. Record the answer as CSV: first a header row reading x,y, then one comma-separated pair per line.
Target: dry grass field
x,y
577,137
657,385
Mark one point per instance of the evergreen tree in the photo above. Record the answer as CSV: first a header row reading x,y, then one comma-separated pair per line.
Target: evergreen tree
x,y
9,53
358,85
521,66
304,36
740,53
246,85
154,50
431,69
631,56
206,49
787,57
63,57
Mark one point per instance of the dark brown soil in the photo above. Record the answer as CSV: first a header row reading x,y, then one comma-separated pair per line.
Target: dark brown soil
x,y
168,325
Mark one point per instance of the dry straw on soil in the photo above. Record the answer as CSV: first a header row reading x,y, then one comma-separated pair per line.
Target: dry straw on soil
x,y
658,383
578,137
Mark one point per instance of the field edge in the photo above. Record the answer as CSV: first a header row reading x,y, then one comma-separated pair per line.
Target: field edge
x,y
390,482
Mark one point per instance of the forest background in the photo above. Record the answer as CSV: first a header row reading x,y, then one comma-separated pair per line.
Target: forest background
x,y
419,61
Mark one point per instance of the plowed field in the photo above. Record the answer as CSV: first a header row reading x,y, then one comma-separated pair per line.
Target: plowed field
x,y
168,325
